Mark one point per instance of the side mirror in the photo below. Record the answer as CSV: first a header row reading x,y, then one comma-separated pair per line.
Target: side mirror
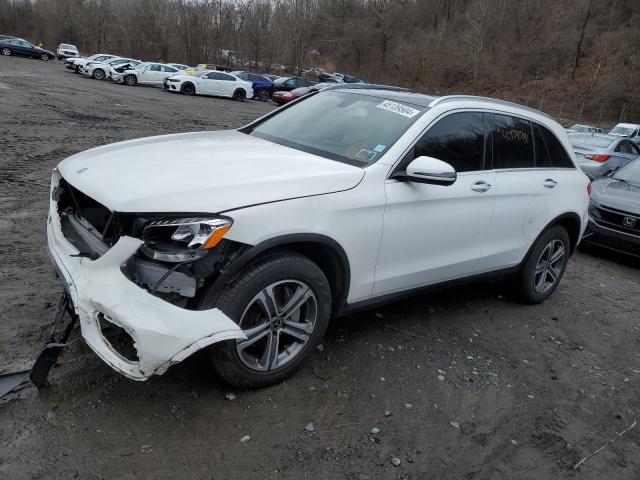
x,y
428,170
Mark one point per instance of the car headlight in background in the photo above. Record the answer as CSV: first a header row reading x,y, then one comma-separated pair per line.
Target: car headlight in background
x,y
183,239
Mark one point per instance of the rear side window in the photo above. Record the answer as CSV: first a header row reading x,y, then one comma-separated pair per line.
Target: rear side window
x,y
457,139
512,142
549,151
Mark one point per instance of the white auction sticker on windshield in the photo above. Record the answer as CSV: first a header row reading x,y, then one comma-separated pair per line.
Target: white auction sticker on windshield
x,y
398,108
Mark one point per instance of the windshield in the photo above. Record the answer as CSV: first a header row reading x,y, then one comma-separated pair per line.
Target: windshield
x,y
348,127
590,140
629,173
625,131
579,128
280,80
67,46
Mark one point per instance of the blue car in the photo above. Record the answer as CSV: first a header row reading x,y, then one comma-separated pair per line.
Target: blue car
x,y
262,86
18,46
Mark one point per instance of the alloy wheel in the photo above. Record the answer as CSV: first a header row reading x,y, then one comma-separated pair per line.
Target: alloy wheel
x,y
549,266
98,74
6,52
44,57
278,323
263,95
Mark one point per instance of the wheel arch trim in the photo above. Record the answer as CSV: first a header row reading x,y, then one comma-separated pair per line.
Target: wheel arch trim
x,y
337,271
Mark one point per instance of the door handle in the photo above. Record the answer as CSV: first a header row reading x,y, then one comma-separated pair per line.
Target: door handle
x,y
549,183
480,186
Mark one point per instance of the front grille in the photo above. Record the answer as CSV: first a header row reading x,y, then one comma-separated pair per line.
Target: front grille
x,y
619,219
107,225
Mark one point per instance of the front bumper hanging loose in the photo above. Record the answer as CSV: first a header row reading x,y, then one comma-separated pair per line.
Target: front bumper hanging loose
x,y
161,333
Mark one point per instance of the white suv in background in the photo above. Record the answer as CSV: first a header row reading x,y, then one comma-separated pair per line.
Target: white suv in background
x,y
344,199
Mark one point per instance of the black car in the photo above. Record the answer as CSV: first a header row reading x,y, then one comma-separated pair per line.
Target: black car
x,y
18,46
614,211
286,84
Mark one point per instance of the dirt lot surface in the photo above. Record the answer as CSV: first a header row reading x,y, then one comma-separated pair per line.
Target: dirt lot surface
x,y
460,384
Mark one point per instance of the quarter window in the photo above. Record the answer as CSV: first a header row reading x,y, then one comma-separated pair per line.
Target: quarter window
x,y
556,155
512,142
458,139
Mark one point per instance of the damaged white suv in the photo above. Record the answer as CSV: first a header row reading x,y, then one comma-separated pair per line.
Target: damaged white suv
x,y
246,242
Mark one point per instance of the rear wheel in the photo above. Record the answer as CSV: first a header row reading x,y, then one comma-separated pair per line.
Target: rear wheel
x,y
543,269
130,80
77,68
98,74
188,89
263,95
6,51
240,95
282,303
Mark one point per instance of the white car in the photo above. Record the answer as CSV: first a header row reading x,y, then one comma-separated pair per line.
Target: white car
x,y
215,83
104,70
245,242
78,62
66,50
145,74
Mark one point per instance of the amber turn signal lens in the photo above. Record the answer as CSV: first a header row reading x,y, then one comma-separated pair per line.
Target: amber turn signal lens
x,y
216,237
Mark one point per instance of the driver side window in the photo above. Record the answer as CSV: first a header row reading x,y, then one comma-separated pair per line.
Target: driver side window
x,y
458,139
155,68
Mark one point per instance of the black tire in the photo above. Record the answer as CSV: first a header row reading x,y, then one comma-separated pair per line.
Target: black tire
x,y
76,68
263,95
98,74
188,89
6,51
44,57
240,95
236,299
130,80
538,278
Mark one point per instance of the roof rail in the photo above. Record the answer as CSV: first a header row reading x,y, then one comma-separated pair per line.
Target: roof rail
x,y
448,98
366,86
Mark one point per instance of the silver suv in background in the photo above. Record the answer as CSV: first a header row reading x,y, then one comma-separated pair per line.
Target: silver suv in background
x,y
66,50
629,130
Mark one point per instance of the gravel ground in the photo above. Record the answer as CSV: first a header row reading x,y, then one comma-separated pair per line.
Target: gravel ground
x,y
459,384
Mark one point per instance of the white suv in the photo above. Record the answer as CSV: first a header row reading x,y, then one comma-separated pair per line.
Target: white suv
x,y
246,242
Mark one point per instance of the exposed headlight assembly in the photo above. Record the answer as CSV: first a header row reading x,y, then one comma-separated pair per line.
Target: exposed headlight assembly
x,y
183,239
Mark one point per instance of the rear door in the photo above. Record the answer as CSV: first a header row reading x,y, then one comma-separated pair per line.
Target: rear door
x,y
625,151
520,209
434,233
153,74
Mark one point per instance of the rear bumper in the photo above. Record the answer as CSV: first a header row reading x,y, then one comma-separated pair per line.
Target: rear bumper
x,y
602,236
163,334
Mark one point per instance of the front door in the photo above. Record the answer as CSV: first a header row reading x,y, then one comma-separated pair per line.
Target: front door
x,y
436,233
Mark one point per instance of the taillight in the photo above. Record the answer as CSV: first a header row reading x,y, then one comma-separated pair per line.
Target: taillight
x,y
598,158
589,188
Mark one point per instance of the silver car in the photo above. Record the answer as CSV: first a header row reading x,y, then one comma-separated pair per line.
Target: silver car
x,y
601,154
583,128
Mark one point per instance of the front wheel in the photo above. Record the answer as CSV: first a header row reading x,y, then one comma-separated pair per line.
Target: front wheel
x,y
6,51
44,57
98,74
130,80
188,89
282,303
544,267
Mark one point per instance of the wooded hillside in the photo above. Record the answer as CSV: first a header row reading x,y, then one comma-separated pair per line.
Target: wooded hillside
x,y
577,59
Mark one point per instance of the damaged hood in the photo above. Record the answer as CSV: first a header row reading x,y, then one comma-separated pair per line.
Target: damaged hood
x,y
207,172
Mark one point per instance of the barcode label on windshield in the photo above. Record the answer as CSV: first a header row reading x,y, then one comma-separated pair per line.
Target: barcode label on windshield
x,y
398,108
